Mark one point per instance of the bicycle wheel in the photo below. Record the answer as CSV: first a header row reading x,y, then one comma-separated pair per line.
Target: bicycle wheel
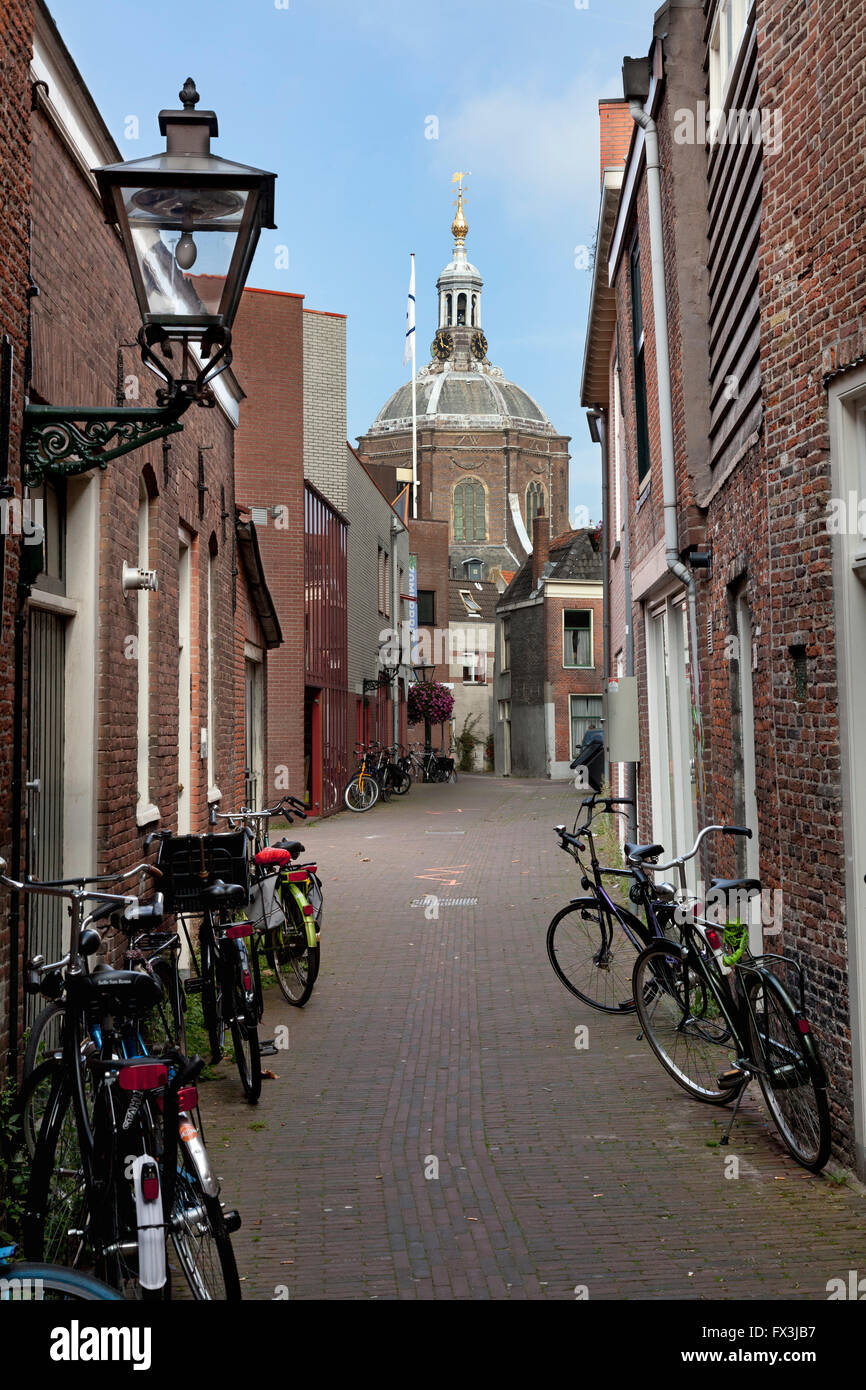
x,y
361,793
54,1283
790,1075
401,782
211,995
294,962
56,1194
243,1021
46,1037
677,1011
201,1239
33,1100
596,968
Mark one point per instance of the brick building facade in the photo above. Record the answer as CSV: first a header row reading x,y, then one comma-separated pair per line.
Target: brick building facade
x,y
548,656
133,702
747,612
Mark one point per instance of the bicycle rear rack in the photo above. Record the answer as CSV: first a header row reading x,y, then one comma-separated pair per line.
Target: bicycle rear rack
x,y
788,960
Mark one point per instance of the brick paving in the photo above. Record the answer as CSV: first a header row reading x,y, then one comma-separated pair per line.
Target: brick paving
x,y
451,1043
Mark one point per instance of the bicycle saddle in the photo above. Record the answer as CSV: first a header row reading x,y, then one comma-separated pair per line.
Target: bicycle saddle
x,y
294,847
642,851
730,885
219,894
116,991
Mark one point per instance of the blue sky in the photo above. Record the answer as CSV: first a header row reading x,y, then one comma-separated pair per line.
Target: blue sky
x,y
335,96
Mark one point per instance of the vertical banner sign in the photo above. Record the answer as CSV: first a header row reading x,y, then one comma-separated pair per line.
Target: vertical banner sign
x,y
413,607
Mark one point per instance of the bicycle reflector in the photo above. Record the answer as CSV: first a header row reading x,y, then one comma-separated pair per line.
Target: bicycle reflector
x,y
142,1076
239,929
714,939
308,910
803,1025
299,875
149,1181
187,1098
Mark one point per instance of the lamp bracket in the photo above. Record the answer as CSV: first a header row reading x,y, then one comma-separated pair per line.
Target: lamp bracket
x,y
64,441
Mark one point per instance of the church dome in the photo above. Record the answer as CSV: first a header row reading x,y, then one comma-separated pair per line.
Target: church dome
x,y
475,399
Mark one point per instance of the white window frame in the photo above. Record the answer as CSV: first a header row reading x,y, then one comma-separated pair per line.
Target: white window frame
x,y
571,699
145,811
729,28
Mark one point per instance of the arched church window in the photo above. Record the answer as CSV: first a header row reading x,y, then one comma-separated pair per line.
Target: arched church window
x,y
474,310
469,517
448,318
461,310
534,503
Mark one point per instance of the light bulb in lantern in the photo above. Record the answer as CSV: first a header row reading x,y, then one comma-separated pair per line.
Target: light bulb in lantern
x,y
186,251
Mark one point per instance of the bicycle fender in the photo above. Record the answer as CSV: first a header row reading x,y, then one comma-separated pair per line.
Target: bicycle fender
x,y
309,921
193,1143
148,1219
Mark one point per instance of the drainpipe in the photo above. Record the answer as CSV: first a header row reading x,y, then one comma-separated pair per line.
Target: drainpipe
x,y
597,422
666,424
396,529
631,768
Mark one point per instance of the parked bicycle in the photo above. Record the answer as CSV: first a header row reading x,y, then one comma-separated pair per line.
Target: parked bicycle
x,y
285,901
119,1170
717,1017
24,1281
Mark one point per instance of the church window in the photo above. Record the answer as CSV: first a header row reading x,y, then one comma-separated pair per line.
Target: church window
x,y
448,318
469,512
461,310
474,310
534,503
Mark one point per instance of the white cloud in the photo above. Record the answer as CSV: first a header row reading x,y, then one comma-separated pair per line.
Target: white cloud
x,y
539,147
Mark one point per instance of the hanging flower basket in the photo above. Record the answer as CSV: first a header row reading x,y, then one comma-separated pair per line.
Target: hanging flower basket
x,y
429,701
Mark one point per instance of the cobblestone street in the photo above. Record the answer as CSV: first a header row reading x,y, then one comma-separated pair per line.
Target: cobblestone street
x,y
450,1042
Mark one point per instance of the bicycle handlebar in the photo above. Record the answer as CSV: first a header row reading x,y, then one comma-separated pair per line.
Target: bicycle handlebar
x,y
707,830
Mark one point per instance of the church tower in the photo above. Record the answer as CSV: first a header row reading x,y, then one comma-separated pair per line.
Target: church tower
x,y
489,459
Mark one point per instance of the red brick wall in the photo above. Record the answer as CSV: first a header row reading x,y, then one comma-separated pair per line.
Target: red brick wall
x,y
429,541
16,26
616,126
564,681
268,359
84,311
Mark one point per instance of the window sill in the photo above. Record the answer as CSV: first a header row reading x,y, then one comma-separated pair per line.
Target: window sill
x,y
146,814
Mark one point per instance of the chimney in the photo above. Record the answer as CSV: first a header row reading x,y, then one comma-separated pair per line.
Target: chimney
x,y
616,128
540,546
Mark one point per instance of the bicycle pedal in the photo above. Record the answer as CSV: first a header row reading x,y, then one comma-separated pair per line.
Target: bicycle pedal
x,y
727,1080
268,1049
193,986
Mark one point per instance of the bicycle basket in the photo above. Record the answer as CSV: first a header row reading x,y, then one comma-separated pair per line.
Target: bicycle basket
x,y
190,863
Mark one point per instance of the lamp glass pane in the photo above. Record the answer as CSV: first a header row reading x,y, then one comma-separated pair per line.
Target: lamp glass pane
x,y
184,241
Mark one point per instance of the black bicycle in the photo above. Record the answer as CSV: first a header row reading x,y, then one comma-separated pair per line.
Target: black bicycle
x,y
119,1171
717,1017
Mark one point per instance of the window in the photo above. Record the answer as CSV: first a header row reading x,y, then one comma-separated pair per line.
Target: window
x,y
461,310
469,602
506,644
641,425
448,318
617,456
426,607
577,638
469,518
534,504
381,579
387,581
584,713
474,569
474,310
727,35
143,808
475,668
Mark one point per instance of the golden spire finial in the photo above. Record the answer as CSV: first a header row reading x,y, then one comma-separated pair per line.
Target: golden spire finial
x,y
460,227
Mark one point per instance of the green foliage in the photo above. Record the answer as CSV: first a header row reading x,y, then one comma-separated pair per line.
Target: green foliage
x,y
14,1167
466,741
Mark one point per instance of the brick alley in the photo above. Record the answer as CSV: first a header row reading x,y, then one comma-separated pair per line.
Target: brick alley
x,y
448,1046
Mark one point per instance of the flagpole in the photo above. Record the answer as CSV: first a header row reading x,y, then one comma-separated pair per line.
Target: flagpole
x,y
414,420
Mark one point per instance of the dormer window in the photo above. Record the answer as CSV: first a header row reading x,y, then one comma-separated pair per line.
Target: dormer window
x,y
469,603
474,569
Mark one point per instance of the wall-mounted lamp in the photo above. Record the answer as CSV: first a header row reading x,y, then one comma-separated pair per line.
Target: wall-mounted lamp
x,y
135,578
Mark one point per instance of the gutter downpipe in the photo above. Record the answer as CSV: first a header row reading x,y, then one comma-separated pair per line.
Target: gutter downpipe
x,y
597,421
666,425
631,768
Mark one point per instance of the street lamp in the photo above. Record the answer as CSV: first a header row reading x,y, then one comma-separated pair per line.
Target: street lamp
x,y
189,222
422,676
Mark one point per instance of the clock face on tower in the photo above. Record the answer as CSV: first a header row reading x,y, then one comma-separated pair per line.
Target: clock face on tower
x,y
479,345
442,345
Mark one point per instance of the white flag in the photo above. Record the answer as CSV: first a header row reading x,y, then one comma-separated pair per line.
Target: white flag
x,y
409,348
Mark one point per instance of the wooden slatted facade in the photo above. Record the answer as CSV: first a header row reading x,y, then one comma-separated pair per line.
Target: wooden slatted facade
x,y
734,184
